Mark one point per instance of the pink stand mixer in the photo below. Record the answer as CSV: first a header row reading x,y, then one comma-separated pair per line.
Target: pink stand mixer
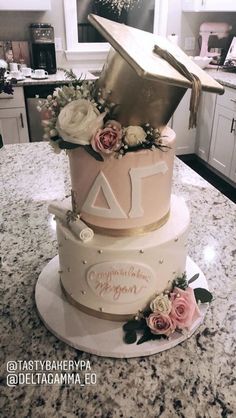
x,y
215,40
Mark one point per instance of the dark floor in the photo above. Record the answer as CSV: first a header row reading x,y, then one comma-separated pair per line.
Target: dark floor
x,y
195,163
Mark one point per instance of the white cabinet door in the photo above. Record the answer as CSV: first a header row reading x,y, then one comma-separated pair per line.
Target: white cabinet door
x,y
185,138
204,124
232,174
36,5
223,140
208,5
13,126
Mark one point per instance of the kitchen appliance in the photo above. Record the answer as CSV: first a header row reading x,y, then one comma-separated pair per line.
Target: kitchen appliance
x,y
43,47
215,40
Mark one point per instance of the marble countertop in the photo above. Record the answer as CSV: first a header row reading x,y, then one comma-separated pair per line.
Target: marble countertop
x,y
223,77
58,78
195,379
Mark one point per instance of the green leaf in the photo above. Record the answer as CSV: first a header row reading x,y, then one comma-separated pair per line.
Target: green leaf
x,y
67,145
130,337
203,295
147,312
93,153
195,277
133,325
147,336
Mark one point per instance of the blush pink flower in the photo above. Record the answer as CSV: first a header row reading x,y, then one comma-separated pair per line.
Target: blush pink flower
x,y
160,323
184,307
108,139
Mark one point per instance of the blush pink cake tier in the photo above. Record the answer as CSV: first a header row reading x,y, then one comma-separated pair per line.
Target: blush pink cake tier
x,y
127,195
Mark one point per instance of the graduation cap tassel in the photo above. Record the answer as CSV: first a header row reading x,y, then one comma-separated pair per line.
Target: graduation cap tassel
x,y
196,83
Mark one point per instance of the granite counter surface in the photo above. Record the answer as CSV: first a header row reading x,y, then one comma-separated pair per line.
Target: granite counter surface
x,y
225,78
58,78
195,379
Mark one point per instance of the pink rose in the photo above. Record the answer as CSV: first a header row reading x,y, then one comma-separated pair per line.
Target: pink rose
x,y
184,307
160,323
108,139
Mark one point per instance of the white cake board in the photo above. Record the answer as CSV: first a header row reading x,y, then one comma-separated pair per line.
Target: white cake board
x,y
94,335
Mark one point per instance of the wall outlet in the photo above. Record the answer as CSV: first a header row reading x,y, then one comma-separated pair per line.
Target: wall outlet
x,y
189,43
58,44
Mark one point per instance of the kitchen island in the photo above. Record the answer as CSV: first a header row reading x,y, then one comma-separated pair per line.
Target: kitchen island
x,y
195,379
226,78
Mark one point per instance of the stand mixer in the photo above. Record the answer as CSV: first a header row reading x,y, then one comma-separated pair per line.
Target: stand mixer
x,y
215,40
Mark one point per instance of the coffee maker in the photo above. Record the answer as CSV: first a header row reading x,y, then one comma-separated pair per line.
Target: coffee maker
x,y
215,40
43,47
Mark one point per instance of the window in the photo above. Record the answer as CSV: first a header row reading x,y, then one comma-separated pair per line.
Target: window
x,y
85,44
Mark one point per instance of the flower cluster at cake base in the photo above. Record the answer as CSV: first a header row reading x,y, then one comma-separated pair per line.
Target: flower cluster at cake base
x,y
76,115
174,310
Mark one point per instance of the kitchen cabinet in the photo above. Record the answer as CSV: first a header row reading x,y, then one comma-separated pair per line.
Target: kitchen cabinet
x,y
27,5
223,142
232,174
205,120
13,121
185,138
13,126
208,6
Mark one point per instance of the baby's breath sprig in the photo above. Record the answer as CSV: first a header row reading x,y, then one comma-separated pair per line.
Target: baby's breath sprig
x,y
119,5
181,282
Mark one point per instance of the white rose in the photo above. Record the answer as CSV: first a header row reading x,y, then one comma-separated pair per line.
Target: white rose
x,y
134,135
161,303
78,121
3,64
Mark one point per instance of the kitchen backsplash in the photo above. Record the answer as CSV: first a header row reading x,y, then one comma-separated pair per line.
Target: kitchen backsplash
x,y
15,51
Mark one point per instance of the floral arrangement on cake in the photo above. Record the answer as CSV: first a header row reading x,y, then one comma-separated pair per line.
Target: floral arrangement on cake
x,y
174,310
5,86
77,115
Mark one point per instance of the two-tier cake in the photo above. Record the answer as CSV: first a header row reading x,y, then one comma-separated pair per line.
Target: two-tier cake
x,y
123,240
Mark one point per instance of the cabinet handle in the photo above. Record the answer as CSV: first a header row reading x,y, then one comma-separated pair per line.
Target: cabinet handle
x,y
232,126
22,120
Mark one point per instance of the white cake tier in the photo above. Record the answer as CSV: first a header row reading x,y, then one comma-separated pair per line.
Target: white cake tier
x,y
112,277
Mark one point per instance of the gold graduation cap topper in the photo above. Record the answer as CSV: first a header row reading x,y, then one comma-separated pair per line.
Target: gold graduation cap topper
x,y
147,75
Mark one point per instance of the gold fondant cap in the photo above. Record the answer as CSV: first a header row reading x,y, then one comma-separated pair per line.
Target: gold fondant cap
x,y
137,49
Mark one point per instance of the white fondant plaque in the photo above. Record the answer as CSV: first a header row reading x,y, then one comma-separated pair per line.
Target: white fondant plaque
x,y
121,282
113,211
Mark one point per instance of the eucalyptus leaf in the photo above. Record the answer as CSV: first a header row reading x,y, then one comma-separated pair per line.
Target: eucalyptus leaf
x,y
147,336
147,312
67,145
203,295
195,277
134,325
93,153
130,337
